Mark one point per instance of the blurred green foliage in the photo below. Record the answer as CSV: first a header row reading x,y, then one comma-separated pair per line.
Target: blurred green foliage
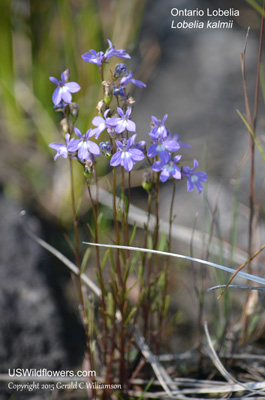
x,y
40,39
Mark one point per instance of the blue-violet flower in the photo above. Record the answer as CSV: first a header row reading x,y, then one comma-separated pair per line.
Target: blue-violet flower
x,y
126,155
123,122
83,146
194,178
64,89
158,126
62,149
129,79
169,168
101,123
98,58
162,147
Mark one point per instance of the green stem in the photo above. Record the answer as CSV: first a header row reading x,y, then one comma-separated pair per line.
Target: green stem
x,y
77,260
102,287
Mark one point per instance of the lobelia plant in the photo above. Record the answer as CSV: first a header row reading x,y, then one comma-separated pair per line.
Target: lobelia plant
x,y
117,354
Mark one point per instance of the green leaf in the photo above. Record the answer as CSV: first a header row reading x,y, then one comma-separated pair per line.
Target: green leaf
x,y
131,314
85,260
133,234
167,300
162,242
256,6
104,259
252,134
77,211
130,288
100,216
146,388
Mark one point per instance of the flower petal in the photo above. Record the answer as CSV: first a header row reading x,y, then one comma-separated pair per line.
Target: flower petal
x,y
136,154
74,145
73,87
77,132
189,185
152,150
97,121
176,174
131,126
66,95
157,166
198,186
93,148
56,97
116,159
195,163
54,80
127,161
164,175
171,145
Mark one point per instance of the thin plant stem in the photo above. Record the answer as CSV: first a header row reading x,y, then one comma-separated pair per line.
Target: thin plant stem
x,y
101,280
116,224
77,260
252,124
101,72
75,221
166,270
157,212
122,286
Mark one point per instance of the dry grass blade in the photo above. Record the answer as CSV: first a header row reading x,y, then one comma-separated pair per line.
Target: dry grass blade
x,y
159,370
240,268
230,379
236,287
181,256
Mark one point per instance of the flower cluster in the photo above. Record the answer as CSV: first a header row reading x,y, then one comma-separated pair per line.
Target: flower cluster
x,y
164,145
116,122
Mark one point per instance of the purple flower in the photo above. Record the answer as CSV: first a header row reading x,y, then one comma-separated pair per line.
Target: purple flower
x,y
162,147
98,58
176,137
62,149
111,52
194,178
64,89
101,123
169,168
140,145
123,122
126,155
93,57
129,79
83,146
158,127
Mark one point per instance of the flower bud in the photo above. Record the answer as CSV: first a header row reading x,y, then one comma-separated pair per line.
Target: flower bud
x,y
111,131
107,92
130,101
64,126
66,75
147,182
119,69
105,149
60,107
88,169
74,111
101,107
